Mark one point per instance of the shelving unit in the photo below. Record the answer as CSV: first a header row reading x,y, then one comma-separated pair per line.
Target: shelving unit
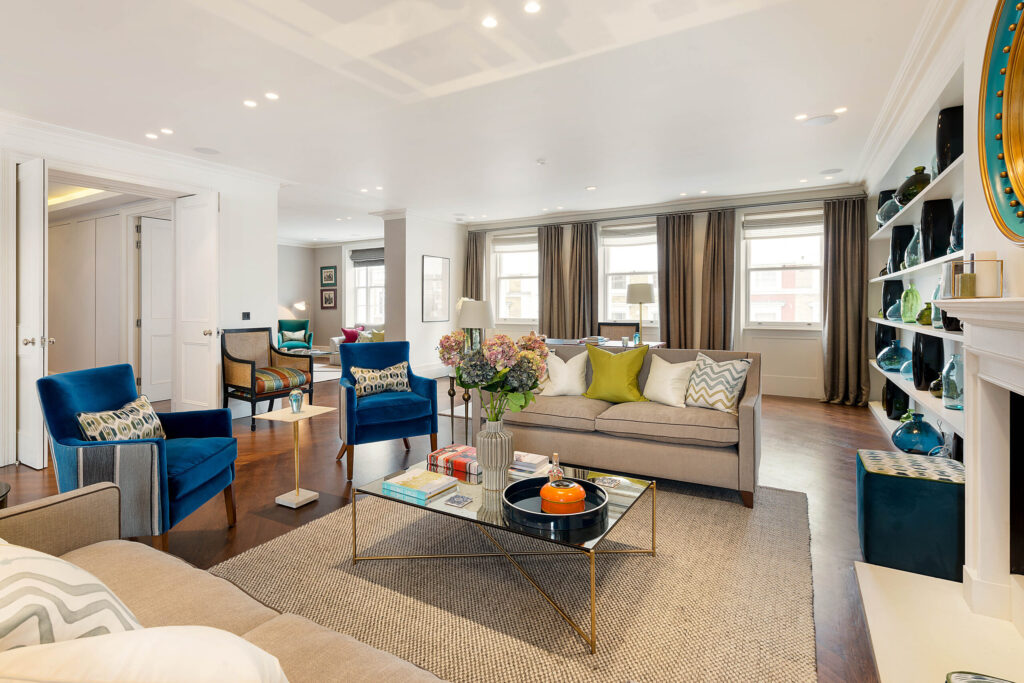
x,y
923,401
919,329
927,265
889,425
946,185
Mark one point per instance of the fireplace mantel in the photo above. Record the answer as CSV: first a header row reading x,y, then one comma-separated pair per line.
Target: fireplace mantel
x,y
1003,313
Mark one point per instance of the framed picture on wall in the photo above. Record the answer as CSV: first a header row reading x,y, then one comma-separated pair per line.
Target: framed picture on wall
x,y
328,276
436,289
328,299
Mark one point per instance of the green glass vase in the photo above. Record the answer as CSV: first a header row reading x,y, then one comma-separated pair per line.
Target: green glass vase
x,y
910,304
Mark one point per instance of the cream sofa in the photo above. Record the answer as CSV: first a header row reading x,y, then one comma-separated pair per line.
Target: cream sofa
x,y
698,445
83,527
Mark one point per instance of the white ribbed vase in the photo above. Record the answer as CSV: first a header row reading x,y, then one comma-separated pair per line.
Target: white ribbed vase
x,y
494,453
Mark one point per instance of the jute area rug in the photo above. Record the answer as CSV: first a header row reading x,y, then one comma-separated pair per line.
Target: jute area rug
x,y
727,598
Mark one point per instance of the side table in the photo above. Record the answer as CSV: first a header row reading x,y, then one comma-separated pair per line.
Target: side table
x,y
298,497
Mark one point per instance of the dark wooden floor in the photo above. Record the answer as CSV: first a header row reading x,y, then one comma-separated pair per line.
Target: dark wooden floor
x,y
807,446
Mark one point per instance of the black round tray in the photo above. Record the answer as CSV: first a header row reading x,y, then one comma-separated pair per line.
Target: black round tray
x,y
522,507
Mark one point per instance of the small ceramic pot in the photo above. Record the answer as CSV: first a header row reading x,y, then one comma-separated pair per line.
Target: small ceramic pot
x,y
562,497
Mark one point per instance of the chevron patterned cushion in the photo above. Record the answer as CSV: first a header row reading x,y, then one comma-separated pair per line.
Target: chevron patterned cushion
x,y
717,385
44,599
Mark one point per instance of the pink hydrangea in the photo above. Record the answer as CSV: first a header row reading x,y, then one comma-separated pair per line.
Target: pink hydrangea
x,y
451,348
535,343
535,361
500,351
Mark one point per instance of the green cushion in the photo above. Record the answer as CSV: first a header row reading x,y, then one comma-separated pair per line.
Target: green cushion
x,y
614,376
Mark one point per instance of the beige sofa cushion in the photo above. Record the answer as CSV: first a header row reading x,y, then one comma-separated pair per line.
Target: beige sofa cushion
x,y
659,422
162,590
310,652
575,413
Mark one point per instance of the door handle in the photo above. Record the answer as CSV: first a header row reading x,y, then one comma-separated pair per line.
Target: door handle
x,y
207,333
27,342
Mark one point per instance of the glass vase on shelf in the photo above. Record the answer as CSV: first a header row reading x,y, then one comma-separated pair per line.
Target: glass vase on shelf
x,y
953,383
936,312
917,436
914,255
910,304
907,371
912,186
892,358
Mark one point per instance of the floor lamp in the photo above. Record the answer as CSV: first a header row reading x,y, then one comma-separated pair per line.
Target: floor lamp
x,y
640,293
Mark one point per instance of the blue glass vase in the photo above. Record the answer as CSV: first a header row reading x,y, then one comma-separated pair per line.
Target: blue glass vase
x,y
907,370
892,358
895,312
953,383
917,436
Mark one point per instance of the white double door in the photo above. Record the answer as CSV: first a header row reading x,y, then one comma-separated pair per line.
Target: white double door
x,y
194,374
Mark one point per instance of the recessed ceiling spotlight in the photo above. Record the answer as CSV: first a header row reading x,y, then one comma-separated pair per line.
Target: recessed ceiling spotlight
x,y
828,177
803,180
822,120
316,239
545,209
559,207
271,96
167,131
840,110
348,218
363,189
682,194
338,218
380,187
483,215
800,117
472,217
489,22
703,191
152,136
250,103
531,7
591,188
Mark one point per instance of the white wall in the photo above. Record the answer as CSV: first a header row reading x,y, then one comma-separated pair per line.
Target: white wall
x,y
296,282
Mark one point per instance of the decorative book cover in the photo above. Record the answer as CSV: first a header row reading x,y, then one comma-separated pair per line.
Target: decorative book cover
x,y
422,482
452,459
528,462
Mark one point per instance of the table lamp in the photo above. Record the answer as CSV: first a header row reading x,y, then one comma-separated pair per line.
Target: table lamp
x,y
475,317
640,293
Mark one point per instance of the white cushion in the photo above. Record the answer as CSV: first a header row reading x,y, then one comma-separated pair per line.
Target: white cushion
x,y
667,382
566,378
297,335
166,654
44,599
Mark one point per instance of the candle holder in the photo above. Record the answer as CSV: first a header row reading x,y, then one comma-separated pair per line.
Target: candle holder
x,y
977,278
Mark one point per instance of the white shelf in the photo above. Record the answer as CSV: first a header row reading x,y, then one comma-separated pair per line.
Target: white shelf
x,y
920,329
888,425
925,402
946,185
927,265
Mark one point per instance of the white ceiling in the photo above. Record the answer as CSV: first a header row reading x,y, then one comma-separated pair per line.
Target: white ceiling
x,y
643,99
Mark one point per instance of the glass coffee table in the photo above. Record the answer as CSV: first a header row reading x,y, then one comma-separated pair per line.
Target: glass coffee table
x,y
486,512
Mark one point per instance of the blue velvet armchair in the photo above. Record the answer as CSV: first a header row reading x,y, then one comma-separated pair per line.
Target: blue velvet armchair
x,y
388,415
162,481
294,326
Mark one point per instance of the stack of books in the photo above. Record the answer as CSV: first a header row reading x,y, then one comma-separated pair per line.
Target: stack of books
x,y
530,463
456,460
419,486
594,339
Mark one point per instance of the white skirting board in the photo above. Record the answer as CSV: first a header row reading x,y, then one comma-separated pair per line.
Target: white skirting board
x,y
921,629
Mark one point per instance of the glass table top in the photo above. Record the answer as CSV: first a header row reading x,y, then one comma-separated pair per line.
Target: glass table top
x,y
487,507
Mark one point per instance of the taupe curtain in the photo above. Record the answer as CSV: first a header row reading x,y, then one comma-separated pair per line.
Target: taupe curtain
x,y
717,280
551,281
473,278
675,279
582,305
845,330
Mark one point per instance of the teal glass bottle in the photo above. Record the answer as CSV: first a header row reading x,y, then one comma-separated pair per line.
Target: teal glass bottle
x,y
914,255
892,357
936,311
953,383
907,371
910,304
917,436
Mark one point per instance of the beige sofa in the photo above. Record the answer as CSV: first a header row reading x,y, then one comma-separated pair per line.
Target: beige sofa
x,y
697,445
83,526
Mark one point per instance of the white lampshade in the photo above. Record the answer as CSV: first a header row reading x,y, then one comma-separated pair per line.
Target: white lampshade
x,y
475,315
299,305
640,293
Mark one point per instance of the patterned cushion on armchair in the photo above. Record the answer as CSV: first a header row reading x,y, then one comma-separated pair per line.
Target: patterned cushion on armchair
x,y
276,379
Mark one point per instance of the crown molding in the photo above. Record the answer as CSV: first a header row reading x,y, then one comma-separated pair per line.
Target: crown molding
x,y
934,53
389,214
697,205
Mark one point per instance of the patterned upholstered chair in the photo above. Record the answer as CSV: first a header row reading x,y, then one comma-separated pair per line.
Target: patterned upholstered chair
x,y
294,326
255,371
162,481
383,416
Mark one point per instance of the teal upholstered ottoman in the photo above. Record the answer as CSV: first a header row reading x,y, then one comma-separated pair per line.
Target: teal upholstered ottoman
x,y
910,512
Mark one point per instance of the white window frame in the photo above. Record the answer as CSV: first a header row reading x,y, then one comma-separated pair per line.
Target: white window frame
x,y
495,278
364,292
747,237
604,275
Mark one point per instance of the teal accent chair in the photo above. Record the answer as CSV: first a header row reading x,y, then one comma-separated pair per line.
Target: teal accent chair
x,y
294,326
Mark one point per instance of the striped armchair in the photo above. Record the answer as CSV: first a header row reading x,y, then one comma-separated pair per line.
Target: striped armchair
x,y
254,370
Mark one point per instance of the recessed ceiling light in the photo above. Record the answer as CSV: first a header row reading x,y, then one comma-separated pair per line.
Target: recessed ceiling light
x,y
703,191
167,131
803,180
363,189
800,117
531,7
348,218
822,120
591,188
316,239
828,177
249,103
840,110
338,218
483,215
682,194
379,187
271,95
152,136
545,209
559,207
489,22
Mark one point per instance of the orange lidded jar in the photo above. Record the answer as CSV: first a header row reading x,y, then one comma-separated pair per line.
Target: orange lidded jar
x,y
562,497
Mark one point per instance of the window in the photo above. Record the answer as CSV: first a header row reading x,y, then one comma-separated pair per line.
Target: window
x,y
367,286
628,255
783,257
515,282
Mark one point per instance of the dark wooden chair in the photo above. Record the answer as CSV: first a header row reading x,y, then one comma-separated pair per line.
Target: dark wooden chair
x,y
254,370
618,329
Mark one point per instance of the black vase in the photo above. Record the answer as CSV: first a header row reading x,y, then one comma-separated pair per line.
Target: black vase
x,y
949,323
927,359
958,448
892,291
883,337
936,226
898,242
956,233
884,196
949,136
894,400
912,186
